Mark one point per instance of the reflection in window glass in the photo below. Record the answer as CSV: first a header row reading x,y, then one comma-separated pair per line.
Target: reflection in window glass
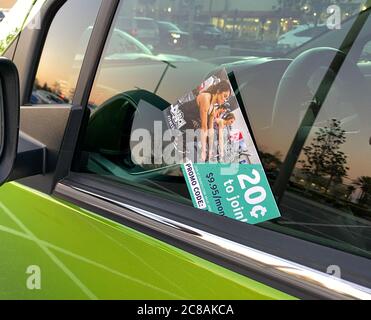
x,y
326,194
63,52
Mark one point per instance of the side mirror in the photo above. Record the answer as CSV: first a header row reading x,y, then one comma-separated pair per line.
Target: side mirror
x,y
9,117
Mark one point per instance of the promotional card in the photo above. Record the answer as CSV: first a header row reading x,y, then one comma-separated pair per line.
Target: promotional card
x,y
220,161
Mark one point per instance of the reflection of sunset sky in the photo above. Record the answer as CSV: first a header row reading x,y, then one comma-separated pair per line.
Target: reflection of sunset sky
x,y
358,150
59,66
357,146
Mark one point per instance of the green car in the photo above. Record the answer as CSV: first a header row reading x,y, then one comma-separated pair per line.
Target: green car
x,y
79,219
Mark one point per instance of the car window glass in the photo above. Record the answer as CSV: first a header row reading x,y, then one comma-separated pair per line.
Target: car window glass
x,y
366,52
145,24
312,128
63,52
311,32
172,26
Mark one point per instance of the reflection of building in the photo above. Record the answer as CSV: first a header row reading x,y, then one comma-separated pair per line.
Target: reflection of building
x,y
238,17
251,19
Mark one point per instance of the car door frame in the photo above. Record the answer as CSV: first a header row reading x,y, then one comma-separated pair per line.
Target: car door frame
x,y
292,265
66,118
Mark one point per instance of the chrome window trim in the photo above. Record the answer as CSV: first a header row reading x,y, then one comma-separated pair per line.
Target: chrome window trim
x,y
292,273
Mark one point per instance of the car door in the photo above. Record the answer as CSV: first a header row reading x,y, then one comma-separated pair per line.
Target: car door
x,y
315,234
54,249
90,227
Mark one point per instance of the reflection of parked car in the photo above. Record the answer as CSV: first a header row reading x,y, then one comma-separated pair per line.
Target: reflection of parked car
x,y
300,35
45,97
145,30
171,35
206,34
124,53
124,47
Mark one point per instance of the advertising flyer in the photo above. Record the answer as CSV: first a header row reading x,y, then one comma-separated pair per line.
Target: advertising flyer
x,y
220,162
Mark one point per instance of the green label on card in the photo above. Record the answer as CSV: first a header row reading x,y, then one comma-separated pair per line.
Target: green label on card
x,y
237,191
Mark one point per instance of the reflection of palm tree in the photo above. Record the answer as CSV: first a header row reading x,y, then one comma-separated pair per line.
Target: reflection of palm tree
x,y
323,157
350,191
364,183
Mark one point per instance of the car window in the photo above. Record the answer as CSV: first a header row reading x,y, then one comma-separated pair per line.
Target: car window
x,y
122,43
312,32
168,26
366,53
211,28
145,24
63,52
308,109
126,23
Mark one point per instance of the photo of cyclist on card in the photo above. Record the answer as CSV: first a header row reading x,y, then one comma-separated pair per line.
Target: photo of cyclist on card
x,y
210,111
